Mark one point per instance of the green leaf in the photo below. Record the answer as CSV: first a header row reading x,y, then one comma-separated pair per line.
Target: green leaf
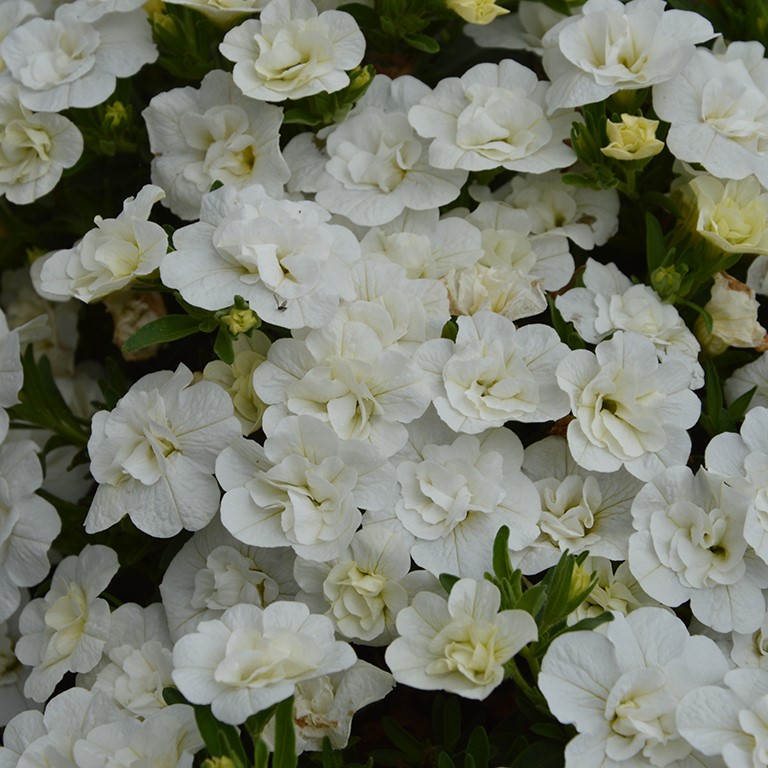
x,y
209,727
260,754
589,624
447,580
422,42
365,16
256,723
739,406
502,567
233,746
533,599
285,736
541,754
444,761
329,759
168,328
297,116
655,246
223,346
173,696
478,747
451,722
404,741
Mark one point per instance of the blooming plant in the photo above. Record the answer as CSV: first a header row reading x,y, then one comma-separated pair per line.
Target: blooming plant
x,y
383,383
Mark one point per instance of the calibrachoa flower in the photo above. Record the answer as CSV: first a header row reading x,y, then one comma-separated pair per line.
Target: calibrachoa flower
x,y
460,644
35,148
689,544
212,133
611,46
494,373
620,688
214,571
283,257
66,630
70,62
111,255
303,489
252,658
153,455
293,51
324,706
629,409
718,116
732,721
580,510
609,302
373,165
491,117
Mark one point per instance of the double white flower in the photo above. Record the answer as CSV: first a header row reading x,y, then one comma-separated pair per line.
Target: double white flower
x,y
630,409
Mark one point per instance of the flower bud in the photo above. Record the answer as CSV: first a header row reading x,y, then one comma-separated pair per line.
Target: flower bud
x,y
476,11
634,138
240,320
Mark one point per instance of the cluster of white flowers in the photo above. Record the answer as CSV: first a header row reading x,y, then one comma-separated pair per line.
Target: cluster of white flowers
x,y
439,358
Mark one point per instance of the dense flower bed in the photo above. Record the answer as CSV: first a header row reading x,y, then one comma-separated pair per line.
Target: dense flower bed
x,y
401,356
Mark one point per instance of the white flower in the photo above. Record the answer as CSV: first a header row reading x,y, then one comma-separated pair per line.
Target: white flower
x,y
718,116
66,630
610,302
34,739
212,133
137,661
476,11
455,494
343,375
403,312
70,62
620,688
303,489
364,589
253,658
323,707
425,245
214,571
588,217
165,739
35,148
154,454
629,408
110,256
281,256
494,373
460,644
28,524
611,46
732,721
374,165
293,51
491,117
689,545
743,461
580,510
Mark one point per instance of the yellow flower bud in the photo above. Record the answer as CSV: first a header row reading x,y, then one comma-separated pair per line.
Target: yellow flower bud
x,y
218,762
579,581
634,138
240,320
476,11
115,114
